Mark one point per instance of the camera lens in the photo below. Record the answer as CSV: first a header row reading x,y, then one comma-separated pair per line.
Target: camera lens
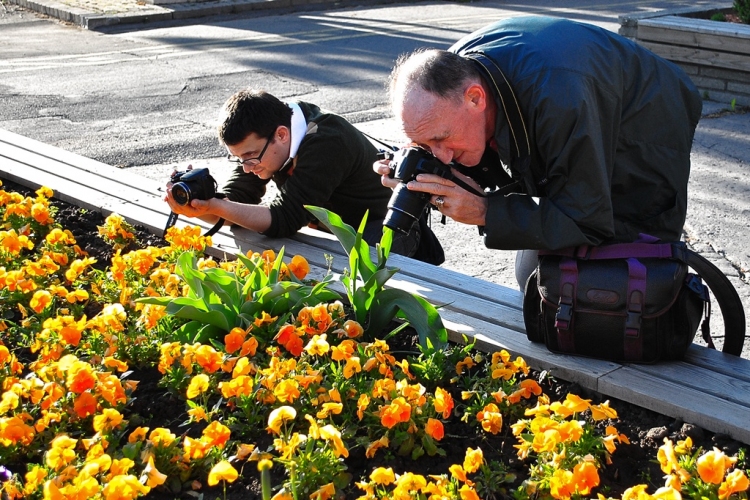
x,y
404,208
181,193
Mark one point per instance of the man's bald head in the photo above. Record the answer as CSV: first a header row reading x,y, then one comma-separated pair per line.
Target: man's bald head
x,y
438,72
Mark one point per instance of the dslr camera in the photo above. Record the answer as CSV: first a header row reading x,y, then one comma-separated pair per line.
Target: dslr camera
x,y
405,207
196,184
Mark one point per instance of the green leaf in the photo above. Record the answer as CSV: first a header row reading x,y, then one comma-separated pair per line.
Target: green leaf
x,y
347,236
421,314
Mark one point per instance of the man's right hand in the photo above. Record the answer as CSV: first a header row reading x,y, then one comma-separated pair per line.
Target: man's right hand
x,y
383,168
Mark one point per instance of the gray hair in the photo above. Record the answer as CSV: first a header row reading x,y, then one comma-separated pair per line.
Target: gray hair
x,y
439,72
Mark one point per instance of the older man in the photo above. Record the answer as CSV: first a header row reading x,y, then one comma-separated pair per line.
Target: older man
x,y
577,135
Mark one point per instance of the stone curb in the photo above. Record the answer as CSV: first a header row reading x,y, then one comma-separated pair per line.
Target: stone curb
x,y
119,12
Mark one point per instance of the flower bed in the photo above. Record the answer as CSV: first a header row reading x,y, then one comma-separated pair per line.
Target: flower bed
x,y
106,393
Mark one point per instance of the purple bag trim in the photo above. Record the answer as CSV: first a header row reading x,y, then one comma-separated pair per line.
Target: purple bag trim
x,y
633,343
615,251
564,316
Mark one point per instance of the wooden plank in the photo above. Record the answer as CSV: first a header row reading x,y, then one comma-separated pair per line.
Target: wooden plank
x,y
717,361
490,338
699,379
722,44
702,26
678,401
690,55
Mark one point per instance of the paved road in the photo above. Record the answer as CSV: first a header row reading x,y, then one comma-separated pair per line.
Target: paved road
x,y
145,96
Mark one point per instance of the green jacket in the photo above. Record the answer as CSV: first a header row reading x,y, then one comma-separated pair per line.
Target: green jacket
x,y
332,169
610,126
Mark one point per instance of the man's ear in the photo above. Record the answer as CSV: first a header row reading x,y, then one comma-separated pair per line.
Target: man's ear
x,y
475,96
282,134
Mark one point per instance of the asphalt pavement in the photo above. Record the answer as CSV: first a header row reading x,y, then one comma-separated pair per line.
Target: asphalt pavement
x,y
139,91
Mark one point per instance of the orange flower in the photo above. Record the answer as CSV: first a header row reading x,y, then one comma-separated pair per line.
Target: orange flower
x,y
299,267
396,412
223,471
735,482
713,465
353,329
40,301
80,377
208,358
234,340
443,402
85,404
325,492
585,477
216,435
287,391
491,418
434,429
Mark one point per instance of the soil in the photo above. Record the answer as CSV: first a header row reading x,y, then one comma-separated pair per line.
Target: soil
x,y
631,464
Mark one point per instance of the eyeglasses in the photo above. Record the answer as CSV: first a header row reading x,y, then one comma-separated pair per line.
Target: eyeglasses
x,y
250,162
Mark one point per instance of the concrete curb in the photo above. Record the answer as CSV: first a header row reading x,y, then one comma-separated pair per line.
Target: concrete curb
x,y
120,12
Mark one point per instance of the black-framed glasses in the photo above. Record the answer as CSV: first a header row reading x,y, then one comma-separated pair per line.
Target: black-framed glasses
x,y
250,162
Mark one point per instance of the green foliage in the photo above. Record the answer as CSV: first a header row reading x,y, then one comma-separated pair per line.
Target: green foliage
x,y
718,16
743,10
375,306
219,300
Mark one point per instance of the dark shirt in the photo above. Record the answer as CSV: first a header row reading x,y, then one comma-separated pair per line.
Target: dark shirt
x,y
332,169
610,126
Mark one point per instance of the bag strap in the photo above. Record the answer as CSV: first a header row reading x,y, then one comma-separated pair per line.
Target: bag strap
x,y
726,295
729,301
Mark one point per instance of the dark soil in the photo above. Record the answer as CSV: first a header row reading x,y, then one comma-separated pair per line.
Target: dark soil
x,y
631,464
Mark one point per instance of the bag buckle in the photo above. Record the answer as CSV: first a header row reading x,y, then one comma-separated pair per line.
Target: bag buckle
x,y
633,324
563,316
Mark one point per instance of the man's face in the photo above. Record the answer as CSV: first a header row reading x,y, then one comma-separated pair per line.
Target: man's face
x,y
273,152
451,130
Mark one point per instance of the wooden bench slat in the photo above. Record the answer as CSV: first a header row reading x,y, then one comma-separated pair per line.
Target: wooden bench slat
x,y
677,401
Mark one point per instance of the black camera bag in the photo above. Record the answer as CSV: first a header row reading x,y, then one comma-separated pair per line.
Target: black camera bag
x,y
633,302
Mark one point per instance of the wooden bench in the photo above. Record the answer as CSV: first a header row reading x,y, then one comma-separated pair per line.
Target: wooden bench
x,y
708,389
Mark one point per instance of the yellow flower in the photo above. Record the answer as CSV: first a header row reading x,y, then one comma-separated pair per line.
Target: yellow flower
x,y
108,420
473,460
223,471
713,465
280,415
139,434
325,492
331,434
198,385
317,346
602,411
352,367
124,487
61,452
375,446
383,476
153,477
666,457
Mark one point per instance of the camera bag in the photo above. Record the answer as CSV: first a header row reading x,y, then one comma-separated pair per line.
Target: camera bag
x,y
631,302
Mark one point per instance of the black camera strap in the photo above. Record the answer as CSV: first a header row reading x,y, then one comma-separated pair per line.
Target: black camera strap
x,y
172,220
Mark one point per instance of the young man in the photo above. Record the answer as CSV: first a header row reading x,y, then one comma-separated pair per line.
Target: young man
x,y
315,158
588,134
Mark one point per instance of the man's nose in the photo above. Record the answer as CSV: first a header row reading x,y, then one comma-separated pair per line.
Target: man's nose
x,y
443,154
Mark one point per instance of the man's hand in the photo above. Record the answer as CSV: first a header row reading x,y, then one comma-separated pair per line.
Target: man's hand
x,y
451,199
383,168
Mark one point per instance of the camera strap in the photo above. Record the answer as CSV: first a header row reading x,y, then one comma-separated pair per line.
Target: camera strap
x,y
172,220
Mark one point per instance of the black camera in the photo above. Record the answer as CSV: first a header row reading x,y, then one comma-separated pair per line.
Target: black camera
x,y
196,184
405,207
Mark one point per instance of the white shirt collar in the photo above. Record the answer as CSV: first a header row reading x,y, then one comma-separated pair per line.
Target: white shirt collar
x,y
299,128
